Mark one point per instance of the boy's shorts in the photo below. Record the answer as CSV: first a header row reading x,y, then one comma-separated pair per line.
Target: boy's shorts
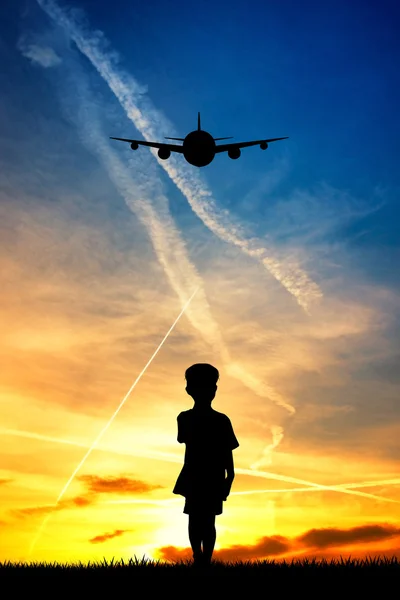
x,y
203,506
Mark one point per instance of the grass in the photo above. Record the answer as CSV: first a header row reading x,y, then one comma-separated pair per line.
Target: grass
x,y
308,576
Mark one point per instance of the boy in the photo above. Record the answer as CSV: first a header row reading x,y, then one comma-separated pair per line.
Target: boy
x,y
209,439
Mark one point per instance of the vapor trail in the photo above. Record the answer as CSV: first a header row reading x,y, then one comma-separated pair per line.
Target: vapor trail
x,y
338,487
177,459
154,214
66,486
341,488
150,122
165,456
145,198
317,486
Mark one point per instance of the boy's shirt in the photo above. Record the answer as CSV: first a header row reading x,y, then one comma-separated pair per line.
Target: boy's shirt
x,y
208,436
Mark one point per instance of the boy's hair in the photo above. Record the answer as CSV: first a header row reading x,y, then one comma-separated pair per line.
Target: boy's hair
x,y
201,373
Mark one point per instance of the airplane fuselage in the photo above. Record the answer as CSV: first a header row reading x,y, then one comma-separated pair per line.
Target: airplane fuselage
x,y
199,148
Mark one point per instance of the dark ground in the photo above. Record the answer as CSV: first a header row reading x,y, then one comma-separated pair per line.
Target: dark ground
x,y
350,579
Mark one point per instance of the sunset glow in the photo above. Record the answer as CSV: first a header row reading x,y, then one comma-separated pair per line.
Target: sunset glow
x,y
119,270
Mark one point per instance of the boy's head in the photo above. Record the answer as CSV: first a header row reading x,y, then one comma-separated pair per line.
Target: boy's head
x,y
201,383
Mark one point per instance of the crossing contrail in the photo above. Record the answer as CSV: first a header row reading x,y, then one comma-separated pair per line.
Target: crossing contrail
x,y
316,486
154,213
177,459
146,199
102,432
149,121
152,454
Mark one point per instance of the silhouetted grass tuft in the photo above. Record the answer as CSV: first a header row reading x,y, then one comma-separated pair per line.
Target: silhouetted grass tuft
x,y
293,577
143,564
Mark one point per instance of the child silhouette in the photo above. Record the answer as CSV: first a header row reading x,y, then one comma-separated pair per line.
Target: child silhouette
x,y
209,439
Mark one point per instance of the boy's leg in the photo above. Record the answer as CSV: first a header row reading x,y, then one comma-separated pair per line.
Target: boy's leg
x,y
209,535
195,530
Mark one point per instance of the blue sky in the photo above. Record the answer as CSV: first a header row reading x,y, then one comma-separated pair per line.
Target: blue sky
x,y
293,250
324,75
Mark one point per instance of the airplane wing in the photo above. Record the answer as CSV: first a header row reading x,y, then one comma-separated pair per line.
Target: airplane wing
x,y
170,147
238,145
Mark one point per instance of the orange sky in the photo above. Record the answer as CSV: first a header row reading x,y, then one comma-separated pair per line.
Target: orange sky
x,y
98,253
76,333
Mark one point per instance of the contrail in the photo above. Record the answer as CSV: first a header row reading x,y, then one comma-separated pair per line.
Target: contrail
x,y
164,456
149,122
177,459
266,458
66,486
155,216
169,457
338,487
317,486
148,202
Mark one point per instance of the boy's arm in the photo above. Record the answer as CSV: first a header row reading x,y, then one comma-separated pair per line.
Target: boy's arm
x,y
230,470
181,434
230,473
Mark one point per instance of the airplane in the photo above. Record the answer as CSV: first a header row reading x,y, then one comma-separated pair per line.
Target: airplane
x,y
199,147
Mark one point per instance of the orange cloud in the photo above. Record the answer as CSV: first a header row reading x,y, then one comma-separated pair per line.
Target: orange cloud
x,y
98,539
82,501
121,485
276,546
37,510
265,547
5,481
324,538
95,485
79,501
173,554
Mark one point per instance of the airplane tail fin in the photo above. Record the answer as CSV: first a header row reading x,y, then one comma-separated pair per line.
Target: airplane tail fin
x,y
198,122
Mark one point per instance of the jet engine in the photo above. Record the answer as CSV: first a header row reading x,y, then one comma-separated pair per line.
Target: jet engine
x,y
134,145
164,153
234,153
263,145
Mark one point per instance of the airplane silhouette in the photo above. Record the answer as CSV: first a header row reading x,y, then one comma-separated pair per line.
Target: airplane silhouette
x,y
199,146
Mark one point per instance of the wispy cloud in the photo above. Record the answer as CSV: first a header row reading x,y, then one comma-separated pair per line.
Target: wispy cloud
x,y
43,56
120,485
150,122
47,509
5,481
266,458
100,539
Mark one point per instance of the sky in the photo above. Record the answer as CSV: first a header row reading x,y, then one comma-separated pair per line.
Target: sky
x,y
288,257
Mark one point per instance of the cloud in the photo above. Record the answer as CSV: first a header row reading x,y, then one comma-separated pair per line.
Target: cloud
x,y
39,55
5,481
37,510
82,501
333,537
276,546
78,501
99,539
120,485
266,457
